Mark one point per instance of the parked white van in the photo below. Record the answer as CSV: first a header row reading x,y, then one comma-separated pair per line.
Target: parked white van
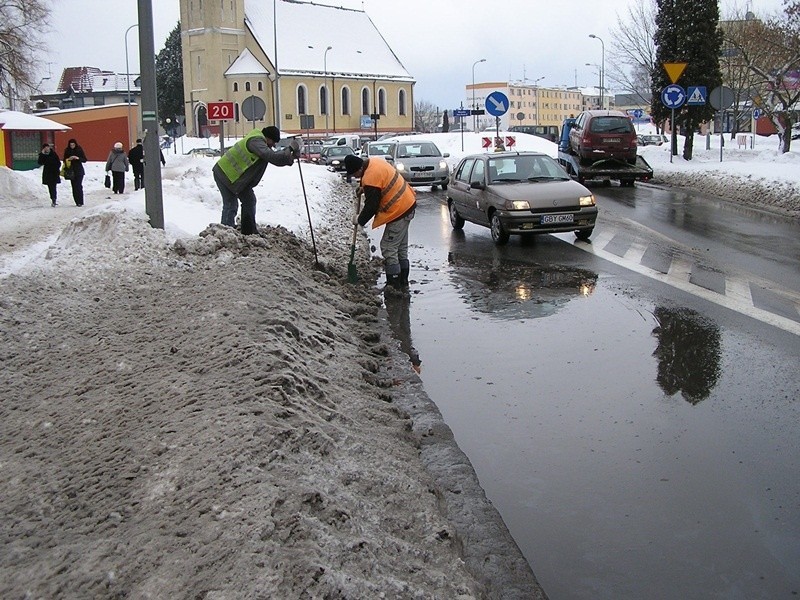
x,y
353,140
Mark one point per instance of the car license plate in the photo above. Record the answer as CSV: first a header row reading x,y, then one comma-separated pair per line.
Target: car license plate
x,y
557,219
613,140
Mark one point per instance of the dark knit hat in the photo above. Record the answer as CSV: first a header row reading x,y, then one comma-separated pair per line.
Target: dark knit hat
x,y
272,133
352,163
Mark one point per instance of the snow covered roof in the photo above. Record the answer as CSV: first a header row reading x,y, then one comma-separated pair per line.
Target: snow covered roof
x,y
305,30
247,64
18,121
113,82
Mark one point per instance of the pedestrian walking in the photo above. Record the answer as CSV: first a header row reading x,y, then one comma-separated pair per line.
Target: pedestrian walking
x,y
74,157
241,168
51,166
136,159
118,164
389,201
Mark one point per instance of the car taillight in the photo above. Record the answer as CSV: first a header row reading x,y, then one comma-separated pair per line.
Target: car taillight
x,y
586,141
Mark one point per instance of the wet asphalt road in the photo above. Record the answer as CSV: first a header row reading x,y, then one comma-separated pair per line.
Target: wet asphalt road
x,y
631,406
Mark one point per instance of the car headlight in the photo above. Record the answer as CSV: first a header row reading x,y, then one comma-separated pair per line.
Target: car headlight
x,y
335,162
400,166
586,200
443,164
517,205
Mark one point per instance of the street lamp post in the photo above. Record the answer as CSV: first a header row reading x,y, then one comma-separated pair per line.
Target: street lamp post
x,y
600,82
128,75
327,99
474,116
536,97
602,70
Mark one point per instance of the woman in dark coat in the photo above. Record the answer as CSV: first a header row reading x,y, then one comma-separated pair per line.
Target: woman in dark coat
x,y
76,157
50,171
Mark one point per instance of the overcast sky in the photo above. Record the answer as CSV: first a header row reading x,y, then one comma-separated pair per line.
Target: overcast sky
x,y
438,41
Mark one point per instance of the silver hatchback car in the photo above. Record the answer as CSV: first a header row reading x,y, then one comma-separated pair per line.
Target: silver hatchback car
x,y
421,163
519,193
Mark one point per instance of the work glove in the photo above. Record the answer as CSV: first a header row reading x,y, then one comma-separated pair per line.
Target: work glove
x,y
295,146
355,220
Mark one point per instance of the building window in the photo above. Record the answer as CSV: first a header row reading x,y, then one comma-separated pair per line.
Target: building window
x,y
260,86
246,86
323,100
345,100
401,102
235,86
382,101
301,99
365,101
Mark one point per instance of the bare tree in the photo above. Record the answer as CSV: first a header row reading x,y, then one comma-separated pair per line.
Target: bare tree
x,y
426,116
770,50
23,24
632,51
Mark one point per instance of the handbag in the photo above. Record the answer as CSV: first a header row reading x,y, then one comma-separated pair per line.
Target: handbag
x,y
107,182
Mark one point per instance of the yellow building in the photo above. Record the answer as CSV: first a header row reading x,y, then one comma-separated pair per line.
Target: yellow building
x,y
288,63
529,104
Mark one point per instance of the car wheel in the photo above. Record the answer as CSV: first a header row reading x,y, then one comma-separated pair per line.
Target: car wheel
x,y
444,186
499,234
455,219
434,187
584,234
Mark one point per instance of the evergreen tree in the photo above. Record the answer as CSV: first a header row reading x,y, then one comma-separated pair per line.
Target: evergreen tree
x,y
687,31
169,77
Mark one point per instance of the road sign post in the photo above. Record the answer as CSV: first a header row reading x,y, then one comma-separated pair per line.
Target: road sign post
x,y
673,96
721,97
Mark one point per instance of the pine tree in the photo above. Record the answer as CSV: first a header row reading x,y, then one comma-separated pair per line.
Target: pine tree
x,y
169,77
687,31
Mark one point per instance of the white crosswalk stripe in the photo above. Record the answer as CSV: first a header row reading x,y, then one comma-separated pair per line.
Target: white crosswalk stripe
x,y
737,294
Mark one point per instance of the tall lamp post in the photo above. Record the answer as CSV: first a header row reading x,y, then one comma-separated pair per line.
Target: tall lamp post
x,y
474,116
128,75
536,97
602,70
327,99
600,82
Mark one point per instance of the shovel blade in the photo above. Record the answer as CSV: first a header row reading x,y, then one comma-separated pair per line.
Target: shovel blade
x,y
352,273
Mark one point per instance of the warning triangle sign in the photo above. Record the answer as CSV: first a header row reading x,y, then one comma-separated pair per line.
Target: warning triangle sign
x,y
674,70
696,97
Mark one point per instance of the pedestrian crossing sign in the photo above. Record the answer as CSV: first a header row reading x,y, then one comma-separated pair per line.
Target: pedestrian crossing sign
x,y
697,95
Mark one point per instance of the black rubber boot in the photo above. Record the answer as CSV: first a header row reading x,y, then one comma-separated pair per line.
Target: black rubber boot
x,y
405,269
393,285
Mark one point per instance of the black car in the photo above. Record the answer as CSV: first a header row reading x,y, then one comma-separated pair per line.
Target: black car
x,y
519,193
333,157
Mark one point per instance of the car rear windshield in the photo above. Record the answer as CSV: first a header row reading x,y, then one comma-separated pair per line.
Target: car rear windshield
x,y
611,125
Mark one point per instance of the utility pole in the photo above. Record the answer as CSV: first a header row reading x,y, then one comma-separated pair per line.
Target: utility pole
x,y
154,205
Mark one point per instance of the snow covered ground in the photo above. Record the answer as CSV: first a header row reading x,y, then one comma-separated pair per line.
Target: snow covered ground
x,y
193,413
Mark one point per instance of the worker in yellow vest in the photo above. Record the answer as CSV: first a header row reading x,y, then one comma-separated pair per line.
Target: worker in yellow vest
x,y
241,168
389,201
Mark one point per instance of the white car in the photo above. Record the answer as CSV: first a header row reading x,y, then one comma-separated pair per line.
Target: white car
x,y
421,163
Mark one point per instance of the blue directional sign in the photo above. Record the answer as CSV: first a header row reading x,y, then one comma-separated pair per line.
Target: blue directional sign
x,y
757,113
497,104
637,113
696,95
461,112
673,96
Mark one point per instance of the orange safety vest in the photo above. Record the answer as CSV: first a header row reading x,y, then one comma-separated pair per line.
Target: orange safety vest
x,y
397,197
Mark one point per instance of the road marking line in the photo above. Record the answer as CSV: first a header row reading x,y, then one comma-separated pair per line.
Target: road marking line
x,y
678,277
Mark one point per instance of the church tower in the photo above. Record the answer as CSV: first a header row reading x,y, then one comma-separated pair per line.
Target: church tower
x,y
212,37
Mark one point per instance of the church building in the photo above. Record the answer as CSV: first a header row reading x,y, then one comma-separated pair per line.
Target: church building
x,y
305,67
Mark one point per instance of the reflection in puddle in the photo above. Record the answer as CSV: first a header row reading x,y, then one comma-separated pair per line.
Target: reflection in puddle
x,y
511,290
688,353
398,310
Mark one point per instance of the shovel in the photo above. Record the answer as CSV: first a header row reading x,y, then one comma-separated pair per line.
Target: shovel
x,y
352,273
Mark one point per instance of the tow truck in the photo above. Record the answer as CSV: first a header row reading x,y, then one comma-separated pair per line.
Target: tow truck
x,y
606,169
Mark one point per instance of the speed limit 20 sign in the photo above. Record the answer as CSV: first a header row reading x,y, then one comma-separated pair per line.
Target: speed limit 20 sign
x,y
220,111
